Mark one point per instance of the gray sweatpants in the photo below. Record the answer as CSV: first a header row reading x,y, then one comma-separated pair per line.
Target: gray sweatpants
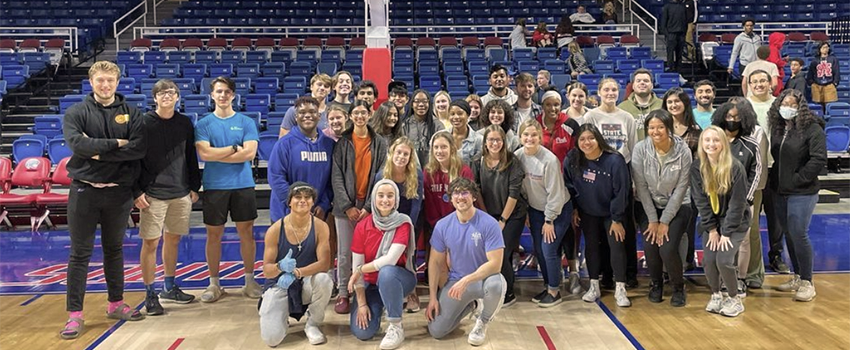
x,y
344,236
452,311
720,265
274,312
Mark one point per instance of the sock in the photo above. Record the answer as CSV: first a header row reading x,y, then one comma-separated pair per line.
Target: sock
x,y
114,305
75,314
214,281
249,277
150,289
169,282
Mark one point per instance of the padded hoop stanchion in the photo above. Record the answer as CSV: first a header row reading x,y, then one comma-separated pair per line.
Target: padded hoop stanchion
x,y
377,67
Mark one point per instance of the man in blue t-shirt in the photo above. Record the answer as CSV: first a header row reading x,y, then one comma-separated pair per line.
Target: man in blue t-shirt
x,y
227,141
704,93
474,241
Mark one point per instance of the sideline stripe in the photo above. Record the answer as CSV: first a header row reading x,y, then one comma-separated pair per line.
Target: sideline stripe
x,y
110,331
30,300
619,325
545,335
176,343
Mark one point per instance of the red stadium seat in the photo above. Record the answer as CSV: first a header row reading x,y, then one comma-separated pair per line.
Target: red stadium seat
x,y
493,41
141,44
30,45
335,41
448,41
584,41
219,44
796,37
170,44
8,45
357,42
49,200
728,38
31,172
470,41
629,40
818,36
193,44
403,42
241,44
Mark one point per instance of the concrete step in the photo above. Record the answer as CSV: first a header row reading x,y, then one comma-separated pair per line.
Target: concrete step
x,y
827,196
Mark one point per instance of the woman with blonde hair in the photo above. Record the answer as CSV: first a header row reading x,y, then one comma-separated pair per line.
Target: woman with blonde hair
x,y
442,100
577,61
719,187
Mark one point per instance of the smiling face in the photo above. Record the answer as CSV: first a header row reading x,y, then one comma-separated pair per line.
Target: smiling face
x,y
399,100
760,84
494,142
675,105
104,84
474,110
499,80
441,149
392,118
336,120
441,103
705,96
458,117
360,116
401,156
307,117
320,90
711,143
542,80
463,200
166,99
525,90
420,104
609,92
301,203
367,94
577,98
343,84
530,138
497,116
552,106
587,143
222,96
657,131
385,199
642,84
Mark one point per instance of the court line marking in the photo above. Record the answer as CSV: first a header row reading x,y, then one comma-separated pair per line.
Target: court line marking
x,y
176,343
110,331
30,300
546,339
620,326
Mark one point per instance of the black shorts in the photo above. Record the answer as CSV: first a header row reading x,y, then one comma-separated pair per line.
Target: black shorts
x,y
241,203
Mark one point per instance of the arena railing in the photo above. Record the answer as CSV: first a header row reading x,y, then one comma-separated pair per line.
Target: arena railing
x,y
43,34
766,28
642,14
142,8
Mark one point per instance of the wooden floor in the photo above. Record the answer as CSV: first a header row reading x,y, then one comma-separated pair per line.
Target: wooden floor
x,y
771,321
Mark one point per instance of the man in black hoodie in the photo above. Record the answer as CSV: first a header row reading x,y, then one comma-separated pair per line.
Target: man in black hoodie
x,y
105,135
673,25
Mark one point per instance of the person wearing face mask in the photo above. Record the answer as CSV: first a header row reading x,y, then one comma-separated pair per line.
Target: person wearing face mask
x,y
798,146
525,108
468,142
738,119
499,86
342,86
320,86
704,92
744,47
642,100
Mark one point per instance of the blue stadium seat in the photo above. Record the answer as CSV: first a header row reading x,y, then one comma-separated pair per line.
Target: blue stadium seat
x,y
560,80
654,65
666,80
57,150
221,69
591,80
232,56
283,101
154,57
186,85
206,57
328,68
617,53
127,86
266,85
295,84
430,83
258,103
248,70
554,66
16,75
25,148
267,142
274,69
628,66
603,66
129,57
69,100
640,53
199,104
139,101
169,71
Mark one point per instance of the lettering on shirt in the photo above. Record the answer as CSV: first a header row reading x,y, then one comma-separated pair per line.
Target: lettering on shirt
x,y
560,140
476,237
307,156
614,135
824,69
235,128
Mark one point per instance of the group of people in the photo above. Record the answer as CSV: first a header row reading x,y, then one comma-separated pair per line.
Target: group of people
x,y
459,178
564,32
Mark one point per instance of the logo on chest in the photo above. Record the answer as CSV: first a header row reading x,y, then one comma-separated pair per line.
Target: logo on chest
x,y
476,237
122,118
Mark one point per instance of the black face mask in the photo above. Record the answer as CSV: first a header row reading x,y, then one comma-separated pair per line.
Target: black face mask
x,y
733,126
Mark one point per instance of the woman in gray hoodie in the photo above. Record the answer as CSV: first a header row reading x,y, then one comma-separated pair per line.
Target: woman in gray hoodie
x,y
660,170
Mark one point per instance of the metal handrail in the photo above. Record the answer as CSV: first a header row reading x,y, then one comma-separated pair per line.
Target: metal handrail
x,y
766,28
70,44
130,25
653,27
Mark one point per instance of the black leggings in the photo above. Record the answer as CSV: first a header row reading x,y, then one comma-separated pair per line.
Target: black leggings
x,y
511,234
595,229
668,253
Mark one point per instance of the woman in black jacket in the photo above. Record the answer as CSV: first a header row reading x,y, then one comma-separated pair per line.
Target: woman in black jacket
x,y
798,146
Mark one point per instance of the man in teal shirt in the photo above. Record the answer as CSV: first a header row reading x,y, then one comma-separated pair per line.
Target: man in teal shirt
x,y
704,94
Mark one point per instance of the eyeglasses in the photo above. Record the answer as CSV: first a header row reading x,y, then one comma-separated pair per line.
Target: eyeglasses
x,y
494,141
461,194
170,93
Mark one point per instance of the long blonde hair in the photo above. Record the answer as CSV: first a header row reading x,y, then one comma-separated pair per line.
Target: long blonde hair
x,y
718,178
445,117
411,171
455,163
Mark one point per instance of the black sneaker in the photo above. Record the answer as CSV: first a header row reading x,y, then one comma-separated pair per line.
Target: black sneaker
x,y
175,295
152,305
656,292
690,266
679,299
539,296
510,299
607,284
778,265
632,282
550,301
334,292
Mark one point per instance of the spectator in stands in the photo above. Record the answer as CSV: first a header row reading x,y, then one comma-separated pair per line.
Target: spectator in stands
x,y
719,188
519,34
582,17
577,62
704,94
358,156
442,99
499,86
385,121
543,79
296,272
797,80
598,177
673,25
470,233
824,75
498,112
525,108
763,52
692,16
384,269
541,36
609,14
320,86
403,168
367,91
337,122
342,84
227,142
576,95
106,136
468,142
564,32
168,185
501,174
304,154
475,107
776,40
642,100
798,145
745,46
420,124
660,168
398,95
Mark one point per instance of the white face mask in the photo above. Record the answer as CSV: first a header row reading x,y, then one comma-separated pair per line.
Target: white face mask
x,y
787,113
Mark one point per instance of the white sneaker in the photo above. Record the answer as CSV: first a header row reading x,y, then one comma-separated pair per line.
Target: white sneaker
x,y
715,303
620,295
252,290
314,334
792,285
212,294
394,337
478,334
806,291
593,293
575,283
732,307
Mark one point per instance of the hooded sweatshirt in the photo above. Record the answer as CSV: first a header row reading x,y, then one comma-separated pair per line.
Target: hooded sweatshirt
x,y
745,49
296,158
543,182
91,128
662,182
776,41
510,97
824,71
639,112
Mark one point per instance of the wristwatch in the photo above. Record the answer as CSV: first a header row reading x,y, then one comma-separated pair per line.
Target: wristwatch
x,y
235,148
549,222
502,219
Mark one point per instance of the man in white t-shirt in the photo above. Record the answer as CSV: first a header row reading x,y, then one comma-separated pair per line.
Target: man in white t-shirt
x,y
760,64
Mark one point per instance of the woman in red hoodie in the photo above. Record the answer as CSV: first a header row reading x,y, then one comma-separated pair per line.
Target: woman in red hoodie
x,y
776,41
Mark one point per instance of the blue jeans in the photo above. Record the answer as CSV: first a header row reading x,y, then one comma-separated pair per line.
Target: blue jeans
x,y
549,254
394,284
794,214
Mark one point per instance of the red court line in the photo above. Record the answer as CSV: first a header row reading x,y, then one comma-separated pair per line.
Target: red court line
x,y
545,335
176,344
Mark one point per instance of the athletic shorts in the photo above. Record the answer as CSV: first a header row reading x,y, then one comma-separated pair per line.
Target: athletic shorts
x,y
241,203
170,214
824,93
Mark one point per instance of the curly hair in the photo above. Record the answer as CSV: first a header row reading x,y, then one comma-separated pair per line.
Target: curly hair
x,y
804,117
510,118
746,115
